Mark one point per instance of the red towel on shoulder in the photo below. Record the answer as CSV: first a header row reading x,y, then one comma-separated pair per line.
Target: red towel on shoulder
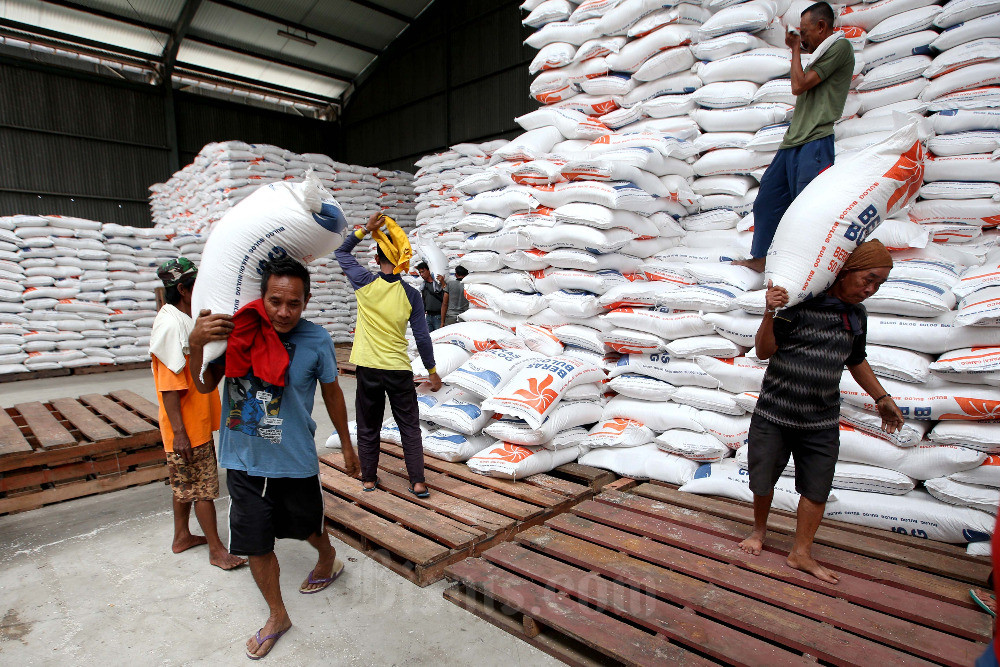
x,y
255,345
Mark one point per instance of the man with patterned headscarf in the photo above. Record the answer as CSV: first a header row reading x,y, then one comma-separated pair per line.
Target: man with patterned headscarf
x,y
798,411
187,418
385,305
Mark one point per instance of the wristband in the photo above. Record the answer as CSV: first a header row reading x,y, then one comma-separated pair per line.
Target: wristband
x,y
879,399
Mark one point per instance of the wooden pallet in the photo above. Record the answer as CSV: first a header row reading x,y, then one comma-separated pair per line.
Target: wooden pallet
x,y
344,364
631,578
465,514
67,448
79,370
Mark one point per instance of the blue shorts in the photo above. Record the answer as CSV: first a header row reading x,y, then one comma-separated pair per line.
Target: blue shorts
x,y
789,174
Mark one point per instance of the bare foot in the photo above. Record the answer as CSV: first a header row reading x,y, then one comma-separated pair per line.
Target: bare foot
x,y
756,264
185,543
808,564
226,560
420,487
753,544
272,627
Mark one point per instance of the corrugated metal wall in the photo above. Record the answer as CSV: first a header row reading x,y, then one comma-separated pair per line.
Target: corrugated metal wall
x,y
88,146
78,145
459,73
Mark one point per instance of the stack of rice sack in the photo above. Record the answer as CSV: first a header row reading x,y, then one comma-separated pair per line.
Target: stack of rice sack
x,y
439,204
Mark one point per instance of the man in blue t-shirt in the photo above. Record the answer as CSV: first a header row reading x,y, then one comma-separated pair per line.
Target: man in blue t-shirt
x,y
267,440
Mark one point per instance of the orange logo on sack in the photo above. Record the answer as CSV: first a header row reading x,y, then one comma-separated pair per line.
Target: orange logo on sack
x,y
616,426
975,409
909,169
538,395
510,453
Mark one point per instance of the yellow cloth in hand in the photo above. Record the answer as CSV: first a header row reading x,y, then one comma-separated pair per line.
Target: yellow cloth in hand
x,y
394,245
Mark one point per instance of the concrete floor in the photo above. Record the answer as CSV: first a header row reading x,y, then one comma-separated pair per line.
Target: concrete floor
x,y
92,582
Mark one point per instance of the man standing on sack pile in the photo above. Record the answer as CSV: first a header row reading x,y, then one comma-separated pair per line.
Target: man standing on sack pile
x,y
385,305
273,361
187,418
807,149
798,411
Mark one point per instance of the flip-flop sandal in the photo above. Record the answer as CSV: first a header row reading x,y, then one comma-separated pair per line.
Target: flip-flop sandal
x,y
260,642
337,571
421,494
373,487
982,605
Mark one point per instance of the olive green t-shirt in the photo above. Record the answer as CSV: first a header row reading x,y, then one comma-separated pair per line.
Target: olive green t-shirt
x,y
817,109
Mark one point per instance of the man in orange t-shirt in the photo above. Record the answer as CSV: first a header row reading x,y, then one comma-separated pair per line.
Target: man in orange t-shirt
x,y
187,418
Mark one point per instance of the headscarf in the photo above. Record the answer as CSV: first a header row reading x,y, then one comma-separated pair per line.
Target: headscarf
x,y
394,244
869,255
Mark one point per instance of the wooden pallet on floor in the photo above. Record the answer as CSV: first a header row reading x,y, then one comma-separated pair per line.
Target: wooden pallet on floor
x,y
66,448
344,365
625,578
465,514
79,370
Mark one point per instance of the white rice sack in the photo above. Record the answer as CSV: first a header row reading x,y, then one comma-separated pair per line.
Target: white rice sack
x,y
700,447
904,23
887,51
831,218
662,322
703,398
939,399
973,76
475,336
503,320
746,17
925,460
462,416
967,31
642,387
726,479
447,357
983,437
757,66
726,45
618,432
980,308
540,339
715,346
579,335
896,234
629,341
965,120
635,295
932,335
512,461
725,94
897,71
453,446
964,143
969,360
736,325
916,513
912,298
300,220
985,474
979,277
677,372
730,430
981,167
486,372
897,364
537,388
642,462
657,416
909,435
869,15
742,119
566,416
735,375
957,11
961,494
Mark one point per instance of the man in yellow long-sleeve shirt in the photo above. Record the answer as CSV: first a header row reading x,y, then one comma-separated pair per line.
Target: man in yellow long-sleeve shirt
x,y
385,305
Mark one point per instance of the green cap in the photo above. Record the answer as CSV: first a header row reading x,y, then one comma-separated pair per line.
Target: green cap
x,y
174,271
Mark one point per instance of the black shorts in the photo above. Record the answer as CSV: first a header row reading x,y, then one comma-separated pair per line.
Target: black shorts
x,y
815,453
264,508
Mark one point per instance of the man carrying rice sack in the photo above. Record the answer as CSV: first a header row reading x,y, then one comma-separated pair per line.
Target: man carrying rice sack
x,y
274,359
187,418
798,411
385,305
807,149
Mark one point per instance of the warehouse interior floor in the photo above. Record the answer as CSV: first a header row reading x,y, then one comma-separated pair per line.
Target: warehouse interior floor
x,y
92,581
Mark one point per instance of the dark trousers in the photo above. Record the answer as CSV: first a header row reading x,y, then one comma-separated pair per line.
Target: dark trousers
x,y
433,321
789,173
373,385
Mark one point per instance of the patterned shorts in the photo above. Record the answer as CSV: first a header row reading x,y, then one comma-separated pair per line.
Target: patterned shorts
x,y
197,480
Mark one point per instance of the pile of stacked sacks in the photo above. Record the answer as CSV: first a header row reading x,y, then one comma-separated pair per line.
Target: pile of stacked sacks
x,y
436,239
684,320
76,292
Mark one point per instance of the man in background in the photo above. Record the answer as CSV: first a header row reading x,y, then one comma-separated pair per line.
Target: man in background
x,y
455,302
807,149
434,295
187,418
